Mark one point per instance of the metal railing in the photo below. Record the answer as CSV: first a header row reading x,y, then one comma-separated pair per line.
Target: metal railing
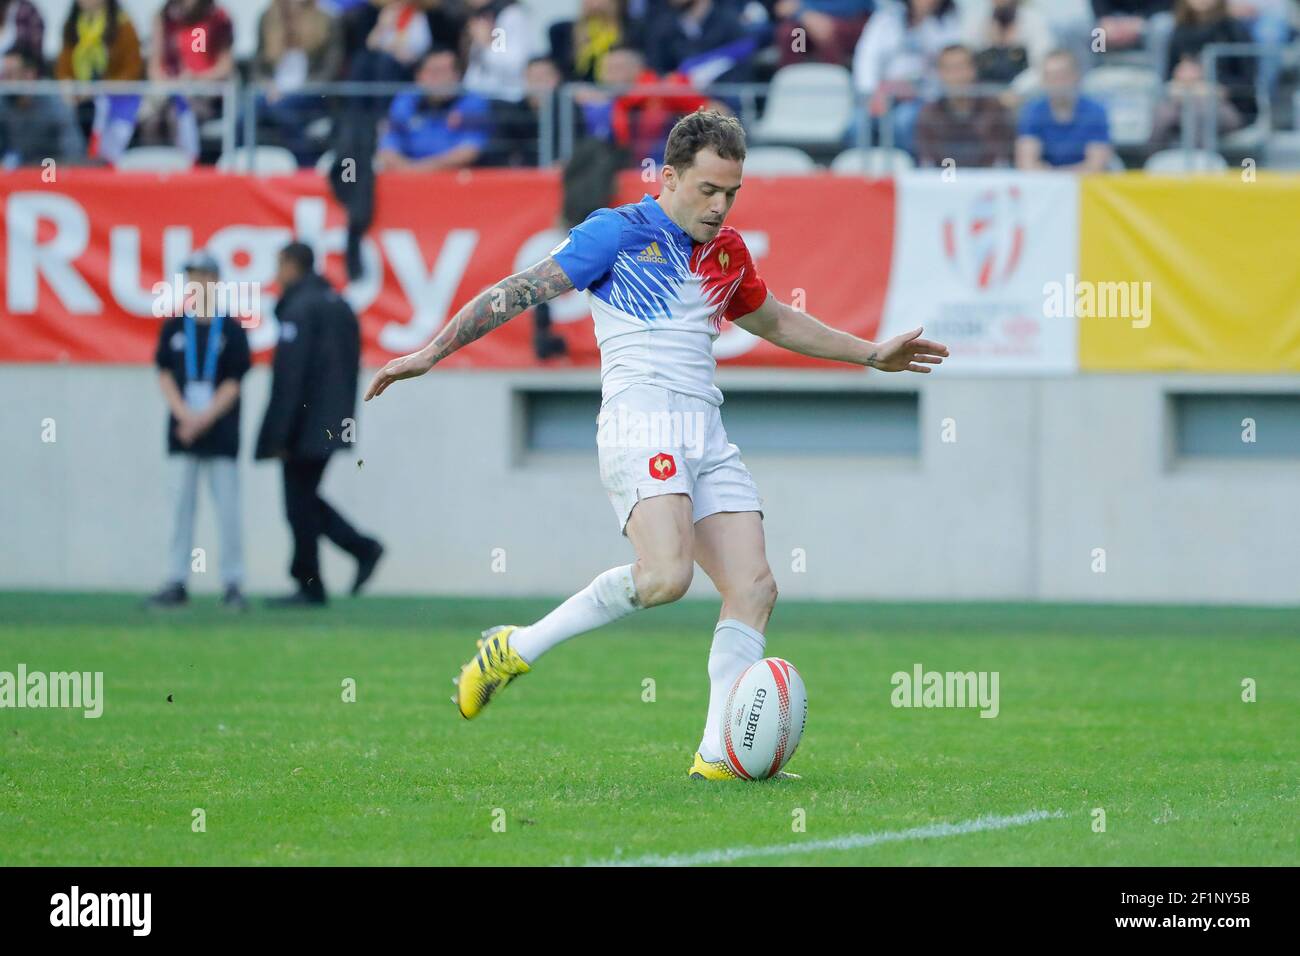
x,y
344,90
227,91
558,113
1216,52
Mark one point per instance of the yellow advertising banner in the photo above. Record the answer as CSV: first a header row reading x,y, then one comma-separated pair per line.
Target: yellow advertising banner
x,y
1196,273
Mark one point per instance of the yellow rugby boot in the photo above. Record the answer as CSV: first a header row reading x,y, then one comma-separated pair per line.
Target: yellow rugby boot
x,y
495,665
702,769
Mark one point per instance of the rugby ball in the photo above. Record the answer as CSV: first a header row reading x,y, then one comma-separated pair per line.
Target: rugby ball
x,y
764,718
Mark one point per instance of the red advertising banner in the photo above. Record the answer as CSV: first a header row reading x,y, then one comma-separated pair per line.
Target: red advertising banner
x,y
89,260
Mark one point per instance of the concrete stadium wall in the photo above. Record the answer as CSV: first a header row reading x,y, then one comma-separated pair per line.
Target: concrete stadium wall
x,y
1043,472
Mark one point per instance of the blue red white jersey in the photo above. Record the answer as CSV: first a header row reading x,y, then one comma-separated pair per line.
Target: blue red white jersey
x,y
658,297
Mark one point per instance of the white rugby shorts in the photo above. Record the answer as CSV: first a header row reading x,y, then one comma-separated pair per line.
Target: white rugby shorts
x,y
654,441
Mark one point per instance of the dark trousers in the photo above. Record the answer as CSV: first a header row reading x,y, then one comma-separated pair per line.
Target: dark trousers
x,y
310,517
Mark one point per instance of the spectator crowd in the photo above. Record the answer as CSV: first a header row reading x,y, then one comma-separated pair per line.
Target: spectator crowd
x,y
974,82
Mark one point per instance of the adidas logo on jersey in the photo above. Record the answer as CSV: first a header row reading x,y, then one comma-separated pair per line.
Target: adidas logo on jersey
x,y
651,254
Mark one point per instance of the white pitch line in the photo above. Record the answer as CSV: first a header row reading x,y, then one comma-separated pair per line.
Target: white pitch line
x,y
853,841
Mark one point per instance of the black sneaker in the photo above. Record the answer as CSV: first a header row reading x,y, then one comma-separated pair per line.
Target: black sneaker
x,y
366,567
233,599
172,595
296,599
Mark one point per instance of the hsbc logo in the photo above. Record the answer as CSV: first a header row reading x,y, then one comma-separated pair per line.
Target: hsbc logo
x,y
984,242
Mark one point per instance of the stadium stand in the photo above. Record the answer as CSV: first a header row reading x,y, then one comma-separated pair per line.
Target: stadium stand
x,y
778,160
809,105
872,162
262,160
1283,150
1185,161
626,76
1129,94
154,159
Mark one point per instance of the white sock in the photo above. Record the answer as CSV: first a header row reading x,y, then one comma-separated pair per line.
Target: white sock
x,y
611,596
735,647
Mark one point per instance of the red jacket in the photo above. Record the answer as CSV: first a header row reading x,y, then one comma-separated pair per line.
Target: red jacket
x,y
641,118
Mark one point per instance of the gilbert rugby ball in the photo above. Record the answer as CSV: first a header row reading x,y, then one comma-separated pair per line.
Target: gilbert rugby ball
x,y
764,718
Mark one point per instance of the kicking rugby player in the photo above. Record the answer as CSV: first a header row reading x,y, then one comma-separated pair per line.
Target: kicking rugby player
x,y
662,275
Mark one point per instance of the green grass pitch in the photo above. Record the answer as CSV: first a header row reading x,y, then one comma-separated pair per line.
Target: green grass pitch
x,y
1135,710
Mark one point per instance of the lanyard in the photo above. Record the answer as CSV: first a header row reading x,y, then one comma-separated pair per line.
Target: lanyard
x,y
210,354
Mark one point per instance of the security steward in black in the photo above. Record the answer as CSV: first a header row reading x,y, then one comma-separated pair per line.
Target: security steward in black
x,y
310,416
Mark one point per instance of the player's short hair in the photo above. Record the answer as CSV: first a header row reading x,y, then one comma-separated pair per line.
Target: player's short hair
x,y
704,129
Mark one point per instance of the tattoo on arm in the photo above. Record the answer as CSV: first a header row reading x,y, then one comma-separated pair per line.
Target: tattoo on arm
x,y
499,304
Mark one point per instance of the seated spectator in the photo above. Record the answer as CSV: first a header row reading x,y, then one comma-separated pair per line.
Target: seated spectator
x,y
1063,130
358,19
1199,23
438,128
497,49
972,131
639,118
1189,96
579,46
192,40
100,43
21,27
1136,24
642,118
819,31
35,128
894,62
517,127
298,43
1010,40
691,31
619,71
397,42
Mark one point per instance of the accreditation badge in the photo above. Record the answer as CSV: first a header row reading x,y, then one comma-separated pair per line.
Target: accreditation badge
x,y
198,395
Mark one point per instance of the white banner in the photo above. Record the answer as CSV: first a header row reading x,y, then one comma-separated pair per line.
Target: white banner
x,y
972,256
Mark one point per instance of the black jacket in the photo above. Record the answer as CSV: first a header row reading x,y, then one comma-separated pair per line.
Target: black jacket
x,y
314,385
1235,73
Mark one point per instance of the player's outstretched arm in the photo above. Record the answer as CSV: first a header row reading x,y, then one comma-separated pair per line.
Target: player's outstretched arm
x,y
493,306
800,332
